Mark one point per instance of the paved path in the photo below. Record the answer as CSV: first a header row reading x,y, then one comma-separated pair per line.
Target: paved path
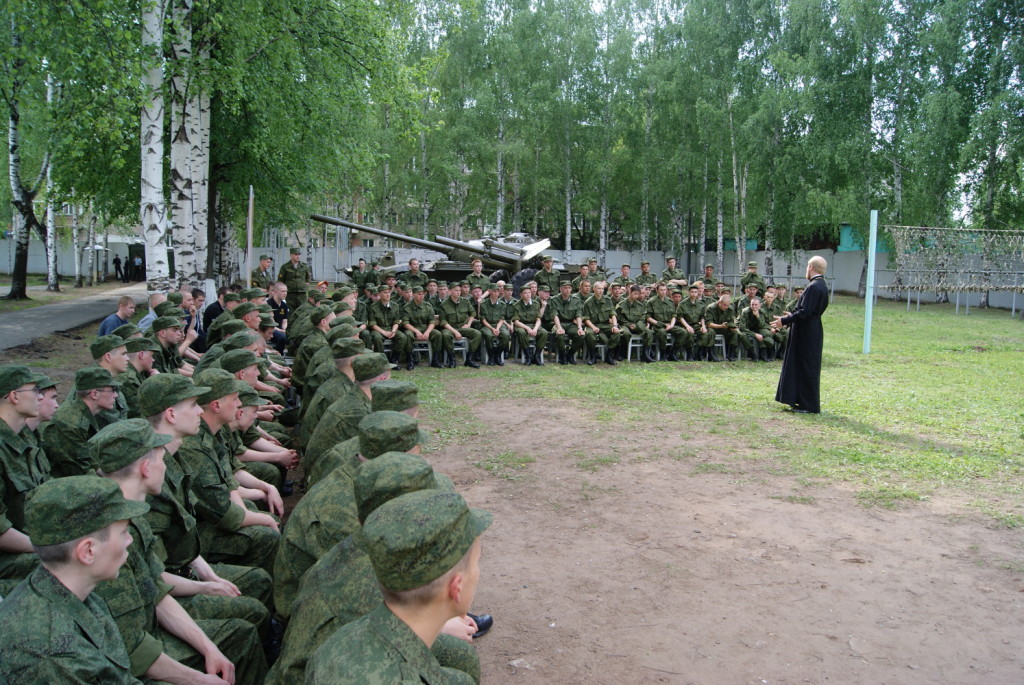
x,y
22,327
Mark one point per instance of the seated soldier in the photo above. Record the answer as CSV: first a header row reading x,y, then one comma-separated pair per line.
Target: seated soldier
x,y
320,318
741,303
110,352
327,513
65,438
586,289
385,323
584,276
336,380
229,530
428,573
690,314
341,586
602,325
721,321
661,317
568,323
773,308
632,317
420,323
526,318
672,276
205,590
755,332
23,466
341,420
623,278
140,367
645,277
56,629
163,642
455,319
494,325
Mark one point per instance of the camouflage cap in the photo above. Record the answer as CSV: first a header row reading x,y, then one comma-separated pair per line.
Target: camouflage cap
x,y
347,318
543,289
232,297
417,538
692,286
751,264
249,397
46,383
239,339
266,256
592,260
129,330
393,395
370,288
432,280
668,257
105,343
13,376
176,298
417,289
645,263
140,344
345,348
294,250
344,291
164,390
389,431
341,308
390,475
491,287
162,323
709,266
319,314
547,258
168,308
314,294
92,377
367,366
345,330
375,262
524,286
219,382
124,442
243,309
267,321
236,360
65,509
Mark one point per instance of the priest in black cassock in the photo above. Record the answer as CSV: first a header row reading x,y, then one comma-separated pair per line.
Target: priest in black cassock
x,y
801,368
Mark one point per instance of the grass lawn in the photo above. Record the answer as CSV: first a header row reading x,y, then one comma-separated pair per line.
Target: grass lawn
x,y
937,405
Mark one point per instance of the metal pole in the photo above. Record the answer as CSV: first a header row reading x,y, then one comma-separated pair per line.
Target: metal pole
x,y
957,313
869,300
248,240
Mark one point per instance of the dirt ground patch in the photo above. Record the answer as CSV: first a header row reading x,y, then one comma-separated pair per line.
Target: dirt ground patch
x,y
619,556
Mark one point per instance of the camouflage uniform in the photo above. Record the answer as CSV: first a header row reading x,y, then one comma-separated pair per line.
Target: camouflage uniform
x,y
51,636
549,278
221,533
23,466
385,317
297,278
663,310
492,313
632,318
692,312
411,279
339,423
749,325
338,386
66,437
527,314
600,313
567,310
420,316
715,314
754,278
457,315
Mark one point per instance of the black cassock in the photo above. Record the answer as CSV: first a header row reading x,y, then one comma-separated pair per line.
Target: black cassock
x,y
801,368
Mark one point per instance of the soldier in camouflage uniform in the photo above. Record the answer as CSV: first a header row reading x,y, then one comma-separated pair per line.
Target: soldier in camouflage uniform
x,y
755,332
228,532
109,352
567,310
623,278
596,272
671,275
321,319
380,646
23,465
262,276
385,323
140,367
602,325
414,276
661,317
341,420
645,277
690,313
547,275
721,320
526,318
342,586
632,318
163,641
420,323
205,590
340,382
456,318
296,275
65,438
773,308
56,633
753,277
478,277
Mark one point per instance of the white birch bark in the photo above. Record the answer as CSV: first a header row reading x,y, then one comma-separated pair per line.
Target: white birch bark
x,y
703,216
76,242
152,207
52,284
183,142
201,188
499,211
720,235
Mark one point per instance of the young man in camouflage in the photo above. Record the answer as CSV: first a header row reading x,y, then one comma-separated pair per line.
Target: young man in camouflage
x,y
526,318
296,275
428,574
632,317
65,438
568,317
455,319
56,629
602,326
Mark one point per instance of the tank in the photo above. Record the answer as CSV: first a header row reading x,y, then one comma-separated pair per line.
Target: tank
x,y
512,258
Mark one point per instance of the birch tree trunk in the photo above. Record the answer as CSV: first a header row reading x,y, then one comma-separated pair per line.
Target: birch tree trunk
x,y
76,244
742,237
567,170
517,198
499,207
184,143
741,246
52,284
720,235
201,189
152,208
703,215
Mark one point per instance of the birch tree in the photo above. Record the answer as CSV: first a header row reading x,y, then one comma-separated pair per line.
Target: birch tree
x,y
153,208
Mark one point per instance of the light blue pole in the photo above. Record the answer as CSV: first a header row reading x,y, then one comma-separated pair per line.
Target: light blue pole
x,y
869,298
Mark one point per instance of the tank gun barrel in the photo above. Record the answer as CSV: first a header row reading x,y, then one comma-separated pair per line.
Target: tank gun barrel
x,y
428,244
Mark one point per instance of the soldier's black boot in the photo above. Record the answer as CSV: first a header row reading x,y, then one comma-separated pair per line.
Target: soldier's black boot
x,y
731,354
713,356
499,355
538,357
609,358
435,362
767,354
570,357
470,363
672,355
410,364
451,360
591,358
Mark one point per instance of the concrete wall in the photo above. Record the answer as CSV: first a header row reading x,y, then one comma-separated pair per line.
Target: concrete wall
x,y
65,256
